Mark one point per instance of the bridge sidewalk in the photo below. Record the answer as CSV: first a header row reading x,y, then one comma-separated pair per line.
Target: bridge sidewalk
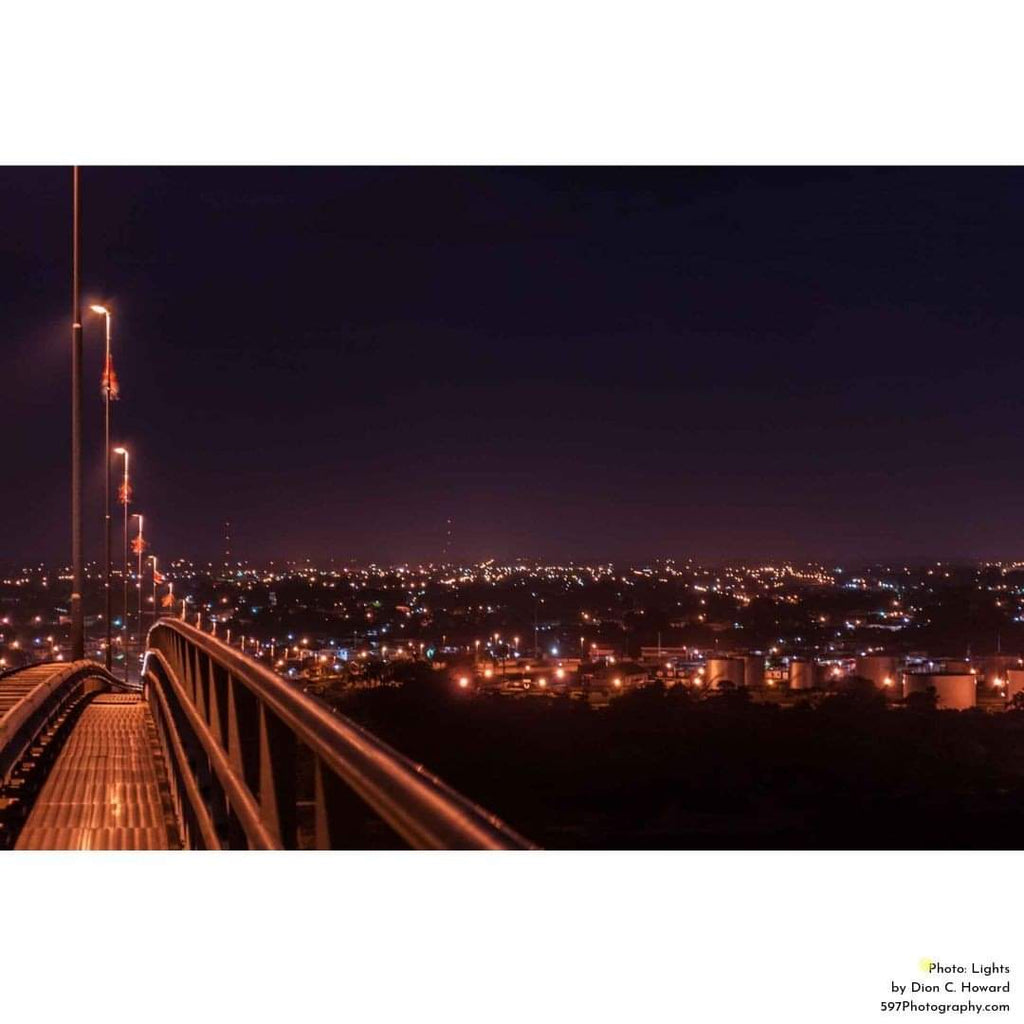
x,y
107,789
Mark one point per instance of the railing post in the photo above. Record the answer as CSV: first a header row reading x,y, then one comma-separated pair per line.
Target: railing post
x,y
176,657
336,807
202,673
217,700
277,779
243,748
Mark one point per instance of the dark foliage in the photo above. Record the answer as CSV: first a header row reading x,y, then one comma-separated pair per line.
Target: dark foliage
x,y
661,768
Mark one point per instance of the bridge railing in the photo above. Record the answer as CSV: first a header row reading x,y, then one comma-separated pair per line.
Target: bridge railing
x,y
256,763
33,714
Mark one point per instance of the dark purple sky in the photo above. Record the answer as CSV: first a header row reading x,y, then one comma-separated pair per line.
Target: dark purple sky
x,y
569,362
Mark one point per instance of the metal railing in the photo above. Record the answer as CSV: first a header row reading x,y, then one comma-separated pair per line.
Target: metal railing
x,y
256,763
37,709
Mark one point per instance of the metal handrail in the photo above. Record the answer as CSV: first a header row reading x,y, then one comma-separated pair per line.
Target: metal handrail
x,y
30,715
232,727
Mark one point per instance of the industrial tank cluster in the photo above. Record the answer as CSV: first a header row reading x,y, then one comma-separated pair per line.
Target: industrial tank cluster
x,y
952,689
741,670
955,684
804,673
955,687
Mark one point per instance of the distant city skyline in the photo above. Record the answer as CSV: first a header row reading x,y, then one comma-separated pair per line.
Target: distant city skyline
x,y
568,362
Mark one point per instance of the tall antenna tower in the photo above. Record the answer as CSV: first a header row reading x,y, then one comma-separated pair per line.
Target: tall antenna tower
x,y
227,544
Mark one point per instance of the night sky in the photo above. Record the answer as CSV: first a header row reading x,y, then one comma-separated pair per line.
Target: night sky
x,y
569,363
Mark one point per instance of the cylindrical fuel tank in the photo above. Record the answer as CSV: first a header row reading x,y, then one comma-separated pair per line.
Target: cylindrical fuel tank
x,y
1014,682
724,670
753,670
880,669
952,689
995,666
803,675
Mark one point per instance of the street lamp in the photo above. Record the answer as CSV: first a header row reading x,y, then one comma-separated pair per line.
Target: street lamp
x,y
155,576
109,385
139,546
125,498
77,571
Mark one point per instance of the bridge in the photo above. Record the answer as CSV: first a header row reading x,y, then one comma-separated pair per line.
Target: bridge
x,y
211,751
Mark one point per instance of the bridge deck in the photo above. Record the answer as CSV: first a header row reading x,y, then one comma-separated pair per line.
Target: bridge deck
x,y
107,789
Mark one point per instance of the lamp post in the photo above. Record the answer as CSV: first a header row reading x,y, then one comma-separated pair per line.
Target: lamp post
x,y
140,544
77,574
107,389
125,496
153,559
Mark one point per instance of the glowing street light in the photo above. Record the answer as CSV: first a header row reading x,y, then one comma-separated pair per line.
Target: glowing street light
x,y
156,580
140,545
124,496
77,568
109,386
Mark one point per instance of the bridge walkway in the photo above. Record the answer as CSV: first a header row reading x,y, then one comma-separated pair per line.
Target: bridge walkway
x,y
107,789
220,753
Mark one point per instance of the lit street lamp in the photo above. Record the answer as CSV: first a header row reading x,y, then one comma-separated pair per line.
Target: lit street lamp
x,y
156,576
125,498
109,386
139,546
77,572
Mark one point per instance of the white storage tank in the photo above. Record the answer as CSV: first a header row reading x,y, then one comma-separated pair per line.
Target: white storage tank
x,y
802,674
724,670
880,669
753,670
956,690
